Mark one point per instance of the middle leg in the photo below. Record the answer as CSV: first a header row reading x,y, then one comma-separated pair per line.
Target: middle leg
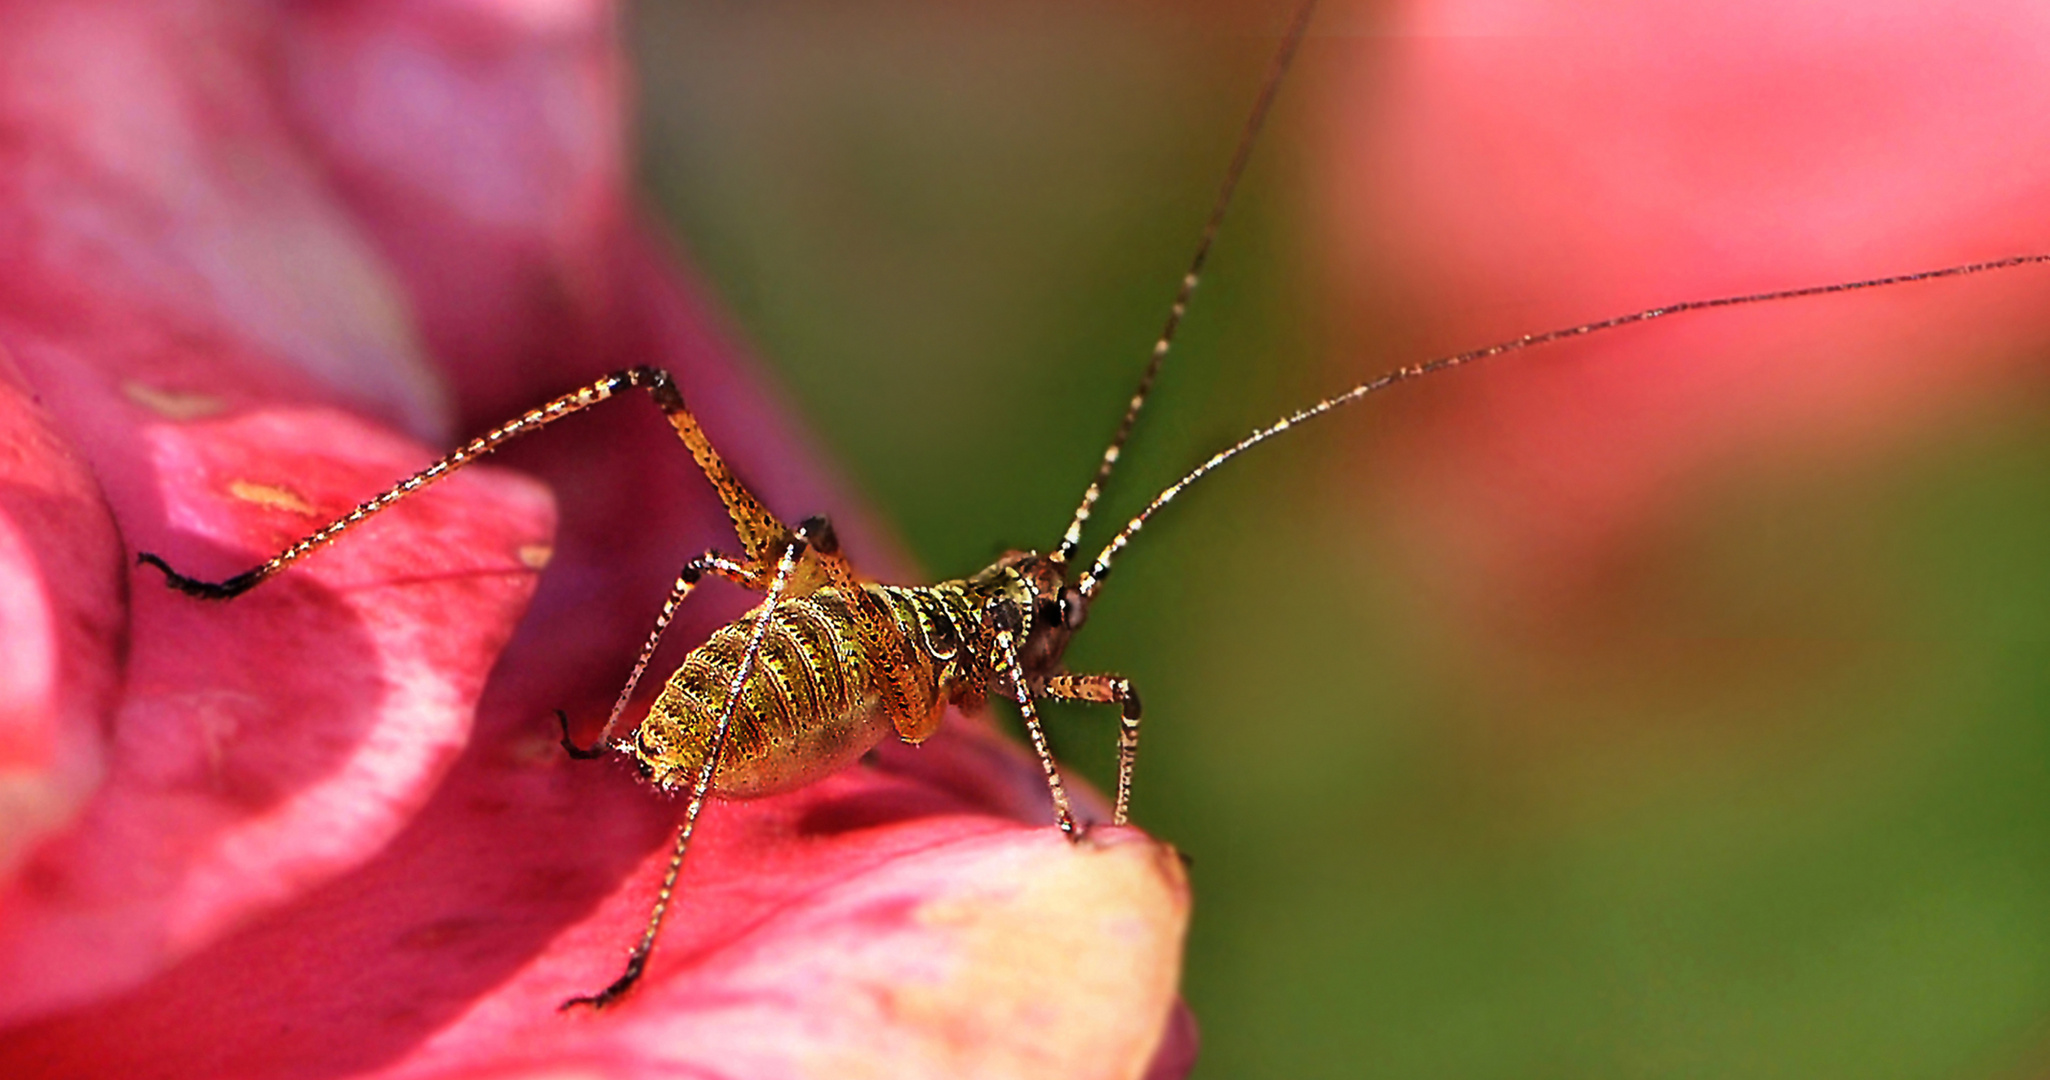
x,y
701,790
1108,690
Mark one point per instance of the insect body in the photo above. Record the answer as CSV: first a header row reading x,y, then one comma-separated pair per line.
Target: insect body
x,y
823,669
828,664
840,668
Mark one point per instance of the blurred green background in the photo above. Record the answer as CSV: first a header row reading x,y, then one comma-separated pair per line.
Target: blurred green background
x,y
1778,808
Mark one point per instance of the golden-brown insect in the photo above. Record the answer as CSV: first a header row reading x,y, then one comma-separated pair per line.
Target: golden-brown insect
x,y
829,664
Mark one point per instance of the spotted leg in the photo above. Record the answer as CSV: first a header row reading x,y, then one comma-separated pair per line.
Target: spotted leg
x,y
1063,815
761,534
637,960
1107,690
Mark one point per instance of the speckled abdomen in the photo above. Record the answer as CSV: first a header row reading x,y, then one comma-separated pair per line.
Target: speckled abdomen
x,y
810,706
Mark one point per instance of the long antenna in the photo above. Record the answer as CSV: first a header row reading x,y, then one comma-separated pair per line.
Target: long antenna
x,y
1072,538
1101,567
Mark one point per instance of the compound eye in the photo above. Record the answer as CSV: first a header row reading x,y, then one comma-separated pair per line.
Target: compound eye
x,y
1050,612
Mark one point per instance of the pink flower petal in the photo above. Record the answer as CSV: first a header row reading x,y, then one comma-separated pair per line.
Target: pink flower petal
x,y
249,756
61,573
879,916
306,857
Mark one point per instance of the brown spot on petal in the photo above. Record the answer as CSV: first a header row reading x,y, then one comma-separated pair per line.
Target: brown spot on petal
x,y
536,556
439,934
269,495
173,404
530,751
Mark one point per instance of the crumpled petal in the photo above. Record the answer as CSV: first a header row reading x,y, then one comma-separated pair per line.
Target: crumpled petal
x,y
325,843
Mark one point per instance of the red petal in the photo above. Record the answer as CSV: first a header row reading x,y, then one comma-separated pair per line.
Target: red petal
x,y
62,624
341,872
878,916
264,746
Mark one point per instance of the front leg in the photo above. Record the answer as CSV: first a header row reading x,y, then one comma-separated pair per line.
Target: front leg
x,y
1106,690
1006,650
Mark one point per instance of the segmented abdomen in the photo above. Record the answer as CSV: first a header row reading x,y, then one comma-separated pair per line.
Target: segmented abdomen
x,y
828,683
